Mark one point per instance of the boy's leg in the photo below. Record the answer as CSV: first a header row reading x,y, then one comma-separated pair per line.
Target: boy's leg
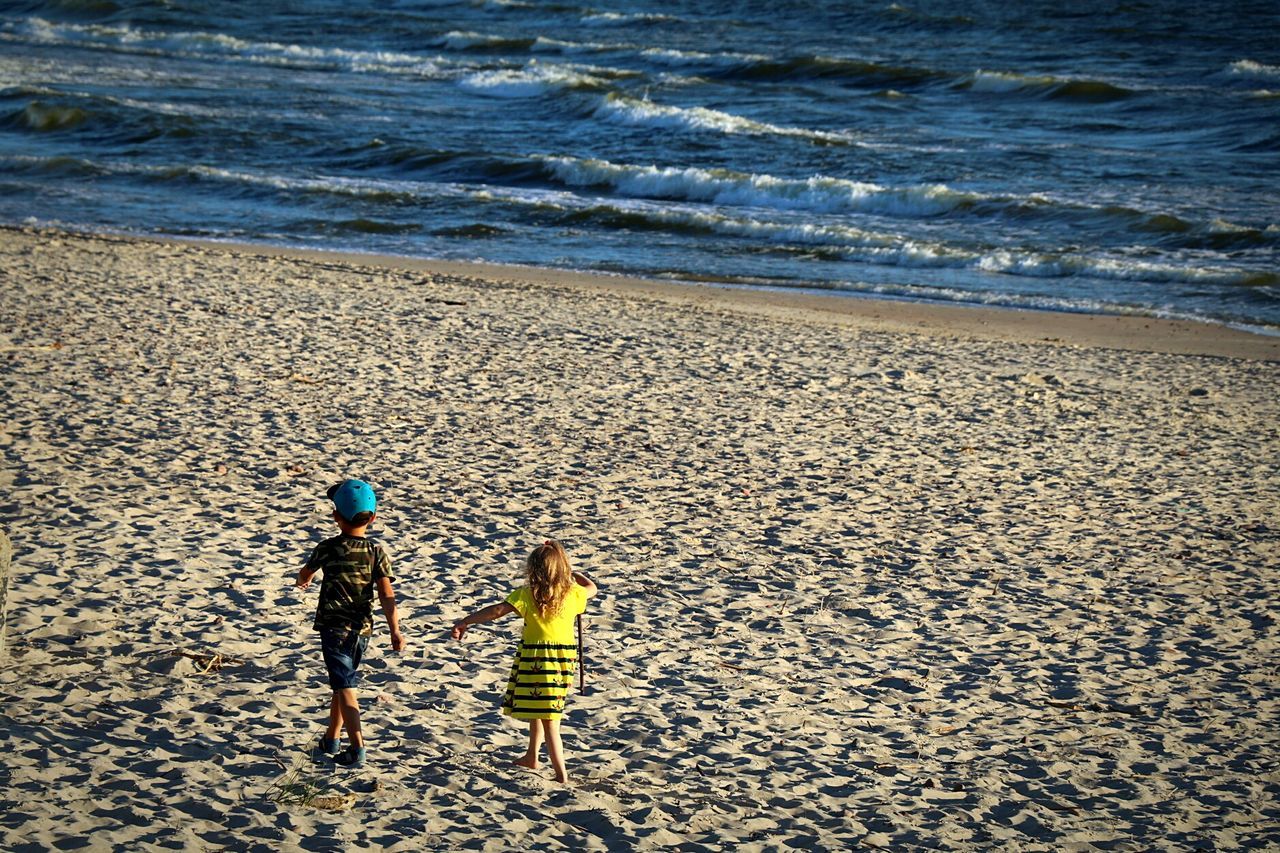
x,y
328,745
342,653
335,719
353,755
555,751
345,700
530,758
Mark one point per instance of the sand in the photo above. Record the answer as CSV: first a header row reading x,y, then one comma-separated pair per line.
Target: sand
x,y
872,575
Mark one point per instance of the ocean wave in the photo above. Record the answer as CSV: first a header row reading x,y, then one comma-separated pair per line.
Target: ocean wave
x,y
1061,265
634,111
724,64
1004,82
531,81
108,117
822,194
852,243
87,7
123,38
60,166
879,248
817,67
366,189
883,249
1261,142
472,231
1250,68
725,187
42,117
1034,301
648,216
833,241
359,225
694,58
624,19
455,40
463,175
90,101
727,64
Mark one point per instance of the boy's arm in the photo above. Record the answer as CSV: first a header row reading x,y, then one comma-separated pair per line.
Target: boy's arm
x,y
305,574
387,598
486,614
583,581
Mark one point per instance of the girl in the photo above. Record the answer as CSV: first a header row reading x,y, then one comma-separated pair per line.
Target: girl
x,y
544,664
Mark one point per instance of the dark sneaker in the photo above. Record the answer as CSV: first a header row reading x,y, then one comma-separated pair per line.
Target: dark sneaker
x,y
325,748
352,756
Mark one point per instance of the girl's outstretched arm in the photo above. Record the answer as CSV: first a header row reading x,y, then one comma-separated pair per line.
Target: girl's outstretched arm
x,y
486,614
583,581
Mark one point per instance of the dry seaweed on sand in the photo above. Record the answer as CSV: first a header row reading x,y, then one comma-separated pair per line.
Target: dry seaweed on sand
x,y
206,663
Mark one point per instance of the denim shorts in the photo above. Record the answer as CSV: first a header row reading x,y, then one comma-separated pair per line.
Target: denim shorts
x,y
342,649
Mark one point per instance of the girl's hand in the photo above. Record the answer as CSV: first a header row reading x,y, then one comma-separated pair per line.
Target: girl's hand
x,y
459,630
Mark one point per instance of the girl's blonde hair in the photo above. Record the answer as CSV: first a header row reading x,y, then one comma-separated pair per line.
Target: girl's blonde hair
x,y
550,577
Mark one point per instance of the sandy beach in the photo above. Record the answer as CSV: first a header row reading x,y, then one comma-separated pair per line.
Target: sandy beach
x,y
873,574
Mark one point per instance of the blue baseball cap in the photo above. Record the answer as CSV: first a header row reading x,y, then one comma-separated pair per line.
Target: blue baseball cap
x,y
352,497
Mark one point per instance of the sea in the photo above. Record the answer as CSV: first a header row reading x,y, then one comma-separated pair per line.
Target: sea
x,y
1105,157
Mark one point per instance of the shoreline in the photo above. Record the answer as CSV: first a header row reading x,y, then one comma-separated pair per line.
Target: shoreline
x,y
1022,325
997,323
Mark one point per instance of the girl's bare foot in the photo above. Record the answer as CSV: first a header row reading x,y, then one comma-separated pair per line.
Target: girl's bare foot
x,y
527,762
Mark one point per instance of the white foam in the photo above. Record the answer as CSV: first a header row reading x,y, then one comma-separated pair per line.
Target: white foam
x,y
625,110
854,243
1003,82
1251,68
678,58
133,40
549,45
458,40
1006,82
1130,270
1222,226
621,19
164,108
724,187
463,40
532,81
879,248
1043,265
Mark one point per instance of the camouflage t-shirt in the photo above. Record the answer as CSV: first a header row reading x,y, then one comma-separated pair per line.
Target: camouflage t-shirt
x,y
351,568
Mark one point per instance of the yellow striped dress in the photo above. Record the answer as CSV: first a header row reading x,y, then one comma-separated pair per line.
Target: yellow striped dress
x,y
548,654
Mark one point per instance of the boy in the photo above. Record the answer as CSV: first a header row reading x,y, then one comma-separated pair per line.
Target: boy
x,y
353,566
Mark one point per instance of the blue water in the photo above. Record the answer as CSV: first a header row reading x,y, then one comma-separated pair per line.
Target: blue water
x,y
1080,156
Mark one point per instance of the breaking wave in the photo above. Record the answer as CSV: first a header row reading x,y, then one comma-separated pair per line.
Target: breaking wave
x,y
635,111
532,81
1002,82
